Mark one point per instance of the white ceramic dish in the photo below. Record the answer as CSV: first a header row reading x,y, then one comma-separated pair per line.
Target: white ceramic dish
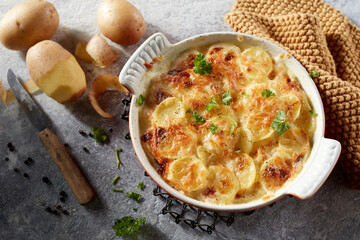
x,y
324,154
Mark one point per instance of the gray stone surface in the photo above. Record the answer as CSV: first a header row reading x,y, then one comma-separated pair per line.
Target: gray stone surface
x,y
333,213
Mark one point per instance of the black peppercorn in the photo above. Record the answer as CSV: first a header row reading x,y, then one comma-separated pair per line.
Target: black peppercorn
x,y
62,199
64,211
26,175
111,130
63,194
30,160
91,135
58,206
85,149
16,170
46,180
26,162
66,144
6,159
48,209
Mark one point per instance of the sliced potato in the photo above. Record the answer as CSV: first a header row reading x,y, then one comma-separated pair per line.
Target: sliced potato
x,y
244,169
171,111
188,174
256,63
99,86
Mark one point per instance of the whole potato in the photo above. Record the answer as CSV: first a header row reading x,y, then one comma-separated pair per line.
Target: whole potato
x,y
56,71
121,22
27,24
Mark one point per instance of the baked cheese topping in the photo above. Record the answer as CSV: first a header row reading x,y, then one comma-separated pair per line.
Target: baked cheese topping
x,y
231,136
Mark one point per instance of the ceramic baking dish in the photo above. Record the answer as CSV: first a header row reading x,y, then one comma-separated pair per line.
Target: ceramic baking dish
x,y
324,154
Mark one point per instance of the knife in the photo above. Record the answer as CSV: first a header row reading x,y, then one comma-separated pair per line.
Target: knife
x,y
62,158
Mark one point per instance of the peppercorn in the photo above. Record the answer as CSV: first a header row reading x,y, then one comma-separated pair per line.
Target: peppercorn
x,y
63,194
62,199
64,211
30,159
26,175
48,209
46,180
111,130
85,149
6,159
66,144
26,162
81,132
16,170
91,135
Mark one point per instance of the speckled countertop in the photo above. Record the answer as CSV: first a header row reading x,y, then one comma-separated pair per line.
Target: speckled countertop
x,y
333,213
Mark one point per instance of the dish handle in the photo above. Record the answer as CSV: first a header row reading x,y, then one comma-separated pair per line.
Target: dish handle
x,y
134,69
317,173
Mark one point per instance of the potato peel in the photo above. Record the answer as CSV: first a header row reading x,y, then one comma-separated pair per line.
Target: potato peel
x,y
99,86
7,96
82,54
100,51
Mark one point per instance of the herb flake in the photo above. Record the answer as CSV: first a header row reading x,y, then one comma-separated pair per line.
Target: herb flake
x,y
226,98
211,104
267,93
141,100
198,118
312,112
314,73
201,66
141,186
113,182
134,195
213,128
118,162
238,151
279,124
117,190
128,226
99,135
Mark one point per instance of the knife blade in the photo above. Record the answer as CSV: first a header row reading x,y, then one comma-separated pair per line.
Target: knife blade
x,y
62,158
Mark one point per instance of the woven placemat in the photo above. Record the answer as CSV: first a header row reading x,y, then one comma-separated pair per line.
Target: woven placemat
x,y
322,39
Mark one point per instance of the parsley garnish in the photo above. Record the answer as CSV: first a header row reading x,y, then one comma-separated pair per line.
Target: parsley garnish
x,y
135,209
189,111
238,151
312,112
213,128
113,182
118,162
226,97
201,66
141,100
134,195
267,93
99,134
243,93
117,190
141,185
279,124
127,226
198,118
211,104
313,73
232,127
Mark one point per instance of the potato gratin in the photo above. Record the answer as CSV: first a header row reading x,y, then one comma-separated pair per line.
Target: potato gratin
x,y
227,125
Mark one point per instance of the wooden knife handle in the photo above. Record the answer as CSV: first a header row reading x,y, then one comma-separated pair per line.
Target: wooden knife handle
x,y
67,166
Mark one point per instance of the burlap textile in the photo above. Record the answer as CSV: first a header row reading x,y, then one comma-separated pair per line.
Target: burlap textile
x,y
322,39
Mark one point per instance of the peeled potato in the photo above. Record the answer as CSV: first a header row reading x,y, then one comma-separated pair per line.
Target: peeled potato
x,y
28,23
101,51
120,21
99,86
56,71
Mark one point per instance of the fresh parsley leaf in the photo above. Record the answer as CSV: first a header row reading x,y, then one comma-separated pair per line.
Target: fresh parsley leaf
x,y
99,135
118,162
313,73
201,66
226,97
211,104
117,190
134,195
213,128
141,100
189,111
267,93
128,226
243,93
198,118
113,182
238,151
312,112
135,209
279,124
141,186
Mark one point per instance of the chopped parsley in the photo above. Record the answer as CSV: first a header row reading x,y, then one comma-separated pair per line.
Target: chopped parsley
x,y
141,186
189,111
99,135
243,93
113,182
213,128
238,151
134,195
267,93
128,226
141,100
279,124
226,97
211,104
232,127
117,190
198,118
201,66
118,162
314,73
312,112
135,209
